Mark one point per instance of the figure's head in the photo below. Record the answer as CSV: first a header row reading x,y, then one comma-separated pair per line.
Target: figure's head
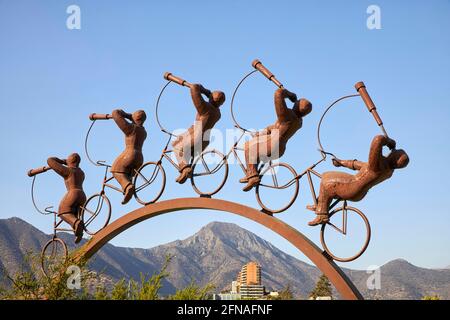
x,y
217,98
139,117
302,107
398,159
73,160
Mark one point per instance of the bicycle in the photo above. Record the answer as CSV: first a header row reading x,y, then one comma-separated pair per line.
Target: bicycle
x,y
221,161
101,195
54,253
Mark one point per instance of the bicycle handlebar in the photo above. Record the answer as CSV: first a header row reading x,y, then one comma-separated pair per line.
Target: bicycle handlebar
x,y
37,171
266,72
361,89
169,76
99,116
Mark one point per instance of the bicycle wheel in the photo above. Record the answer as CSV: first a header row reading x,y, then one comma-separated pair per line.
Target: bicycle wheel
x,y
96,213
208,164
53,256
149,183
279,186
343,220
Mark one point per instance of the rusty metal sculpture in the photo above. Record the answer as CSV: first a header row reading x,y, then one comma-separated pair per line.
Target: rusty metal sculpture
x,y
343,186
131,159
270,143
208,115
139,177
268,172
69,211
146,181
196,138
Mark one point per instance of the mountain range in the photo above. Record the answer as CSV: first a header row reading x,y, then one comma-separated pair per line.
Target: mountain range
x,y
215,254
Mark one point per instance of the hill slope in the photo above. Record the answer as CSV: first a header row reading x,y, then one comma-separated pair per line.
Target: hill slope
x,y
215,254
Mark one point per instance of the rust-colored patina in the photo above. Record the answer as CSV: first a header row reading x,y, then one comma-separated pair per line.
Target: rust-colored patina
x,y
131,159
342,283
69,206
196,138
270,143
344,186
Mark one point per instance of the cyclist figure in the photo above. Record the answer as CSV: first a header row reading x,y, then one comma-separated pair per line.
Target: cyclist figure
x,y
69,207
270,143
131,158
340,185
196,138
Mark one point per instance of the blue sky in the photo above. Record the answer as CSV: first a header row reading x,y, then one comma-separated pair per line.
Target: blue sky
x,y
51,78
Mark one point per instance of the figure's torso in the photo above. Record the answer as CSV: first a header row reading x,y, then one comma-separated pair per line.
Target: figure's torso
x,y
135,140
286,129
75,179
367,178
208,119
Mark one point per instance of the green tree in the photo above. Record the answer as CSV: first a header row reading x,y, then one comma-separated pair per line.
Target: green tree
x,y
432,297
286,293
30,284
193,292
322,289
149,287
120,290
101,293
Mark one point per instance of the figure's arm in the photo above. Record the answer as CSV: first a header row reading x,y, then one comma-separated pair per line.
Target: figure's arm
x,y
120,117
200,104
376,151
280,103
58,165
349,164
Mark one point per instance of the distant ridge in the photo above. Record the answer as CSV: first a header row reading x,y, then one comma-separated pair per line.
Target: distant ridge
x,y
215,254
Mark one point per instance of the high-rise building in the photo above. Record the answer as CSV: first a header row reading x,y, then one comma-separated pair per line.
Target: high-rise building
x,y
250,274
249,281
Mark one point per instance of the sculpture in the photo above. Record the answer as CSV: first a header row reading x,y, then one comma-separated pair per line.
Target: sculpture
x,y
131,159
270,143
196,138
344,186
71,204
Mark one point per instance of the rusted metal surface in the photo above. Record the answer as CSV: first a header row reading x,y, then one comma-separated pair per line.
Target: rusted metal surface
x,y
344,186
361,88
342,283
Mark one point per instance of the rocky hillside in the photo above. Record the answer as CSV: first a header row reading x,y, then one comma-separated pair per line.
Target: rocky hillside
x,y
215,254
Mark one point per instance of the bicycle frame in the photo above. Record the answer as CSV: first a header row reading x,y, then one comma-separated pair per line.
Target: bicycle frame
x,y
56,225
106,180
47,211
233,150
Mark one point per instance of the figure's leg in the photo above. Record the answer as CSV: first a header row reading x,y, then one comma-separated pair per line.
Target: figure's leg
x,y
68,211
323,203
124,179
185,149
257,149
247,161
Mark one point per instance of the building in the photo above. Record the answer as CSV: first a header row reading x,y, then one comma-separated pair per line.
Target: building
x,y
227,296
248,283
250,274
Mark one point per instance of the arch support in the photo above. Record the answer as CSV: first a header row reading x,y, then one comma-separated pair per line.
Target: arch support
x,y
342,283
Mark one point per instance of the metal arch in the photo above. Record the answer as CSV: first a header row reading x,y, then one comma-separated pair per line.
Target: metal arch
x,y
322,151
232,101
339,279
157,109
